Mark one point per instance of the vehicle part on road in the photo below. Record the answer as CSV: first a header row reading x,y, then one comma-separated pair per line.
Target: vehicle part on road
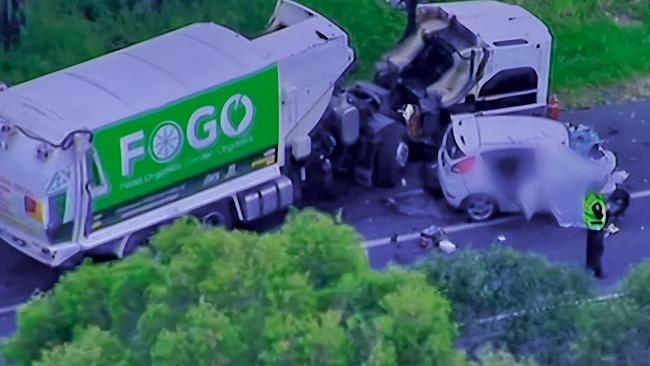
x,y
611,230
480,207
435,236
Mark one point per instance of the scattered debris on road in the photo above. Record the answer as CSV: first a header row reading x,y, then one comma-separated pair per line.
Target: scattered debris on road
x,y
435,236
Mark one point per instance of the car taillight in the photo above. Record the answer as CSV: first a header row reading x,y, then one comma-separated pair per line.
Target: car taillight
x,y
463,166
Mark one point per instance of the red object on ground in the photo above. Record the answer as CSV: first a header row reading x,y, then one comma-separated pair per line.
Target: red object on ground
x,y
554,108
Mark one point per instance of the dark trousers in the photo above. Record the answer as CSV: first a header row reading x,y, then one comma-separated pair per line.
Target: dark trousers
x,y
595,250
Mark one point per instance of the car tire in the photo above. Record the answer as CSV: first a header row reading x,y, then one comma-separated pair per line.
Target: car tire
x,y
480,207
392,156
618,202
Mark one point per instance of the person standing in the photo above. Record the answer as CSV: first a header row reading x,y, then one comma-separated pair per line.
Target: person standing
x,y
595,218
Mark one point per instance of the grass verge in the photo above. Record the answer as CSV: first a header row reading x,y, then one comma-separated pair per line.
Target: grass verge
x,y
599,44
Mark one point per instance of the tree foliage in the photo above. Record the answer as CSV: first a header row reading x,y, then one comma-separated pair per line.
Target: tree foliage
x,y
502,281
489,356
61,33
617,332
198,296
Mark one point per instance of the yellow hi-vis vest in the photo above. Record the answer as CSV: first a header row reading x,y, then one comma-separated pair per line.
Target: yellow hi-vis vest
x,y
595,211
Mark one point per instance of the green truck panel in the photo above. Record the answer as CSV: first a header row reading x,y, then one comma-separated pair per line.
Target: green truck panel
x,y
189,142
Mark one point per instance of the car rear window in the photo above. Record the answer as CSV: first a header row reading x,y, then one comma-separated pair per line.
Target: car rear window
x,y
453,150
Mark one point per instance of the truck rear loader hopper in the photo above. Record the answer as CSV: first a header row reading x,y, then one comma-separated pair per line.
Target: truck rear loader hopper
x,y
96,157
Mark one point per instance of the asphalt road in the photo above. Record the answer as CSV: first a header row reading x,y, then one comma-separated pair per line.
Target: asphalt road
x,y
541,235
626,128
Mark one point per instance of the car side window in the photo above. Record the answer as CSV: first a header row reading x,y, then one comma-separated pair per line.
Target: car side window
x,y
509,88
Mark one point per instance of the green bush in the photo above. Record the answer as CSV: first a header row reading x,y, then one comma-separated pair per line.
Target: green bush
x,y
482,285
617,332
303,296
590,48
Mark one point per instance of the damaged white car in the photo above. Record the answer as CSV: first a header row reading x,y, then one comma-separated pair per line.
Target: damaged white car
x,y
491,164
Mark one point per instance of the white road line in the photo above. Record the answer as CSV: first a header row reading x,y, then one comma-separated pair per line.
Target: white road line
x,y
367,244
640,194
449,229
10,309
518,313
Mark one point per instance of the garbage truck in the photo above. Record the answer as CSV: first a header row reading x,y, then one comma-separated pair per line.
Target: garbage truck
x,y
203,121
95,157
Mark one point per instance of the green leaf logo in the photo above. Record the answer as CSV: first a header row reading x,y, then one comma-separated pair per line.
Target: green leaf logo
x,y
237,115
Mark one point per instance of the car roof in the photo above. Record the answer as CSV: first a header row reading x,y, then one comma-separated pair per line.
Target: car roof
x,y
495,21
474,132
142,77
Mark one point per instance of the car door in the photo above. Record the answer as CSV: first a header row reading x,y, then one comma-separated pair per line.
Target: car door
x,y
512,173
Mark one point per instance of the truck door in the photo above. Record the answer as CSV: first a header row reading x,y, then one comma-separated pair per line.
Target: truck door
x,y
512,81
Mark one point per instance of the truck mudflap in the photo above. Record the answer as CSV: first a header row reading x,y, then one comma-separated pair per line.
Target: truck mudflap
x,y
50,255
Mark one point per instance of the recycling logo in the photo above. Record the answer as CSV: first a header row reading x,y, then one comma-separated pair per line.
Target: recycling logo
x,y
232,104
166,142
59,182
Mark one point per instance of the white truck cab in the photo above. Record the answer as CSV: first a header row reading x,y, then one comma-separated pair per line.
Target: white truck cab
x,y
483,56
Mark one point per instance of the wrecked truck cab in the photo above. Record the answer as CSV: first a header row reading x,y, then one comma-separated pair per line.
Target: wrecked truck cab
x,y
483,57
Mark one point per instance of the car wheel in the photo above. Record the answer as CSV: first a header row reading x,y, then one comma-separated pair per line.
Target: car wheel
x,y
618,202
480,207
392,157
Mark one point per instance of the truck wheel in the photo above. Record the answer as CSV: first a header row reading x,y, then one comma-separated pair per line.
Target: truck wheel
x,y
392,156
219,218
480,207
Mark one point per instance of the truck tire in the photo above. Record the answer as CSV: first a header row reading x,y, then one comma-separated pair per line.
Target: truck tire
x,y
221,218
220,215
392,156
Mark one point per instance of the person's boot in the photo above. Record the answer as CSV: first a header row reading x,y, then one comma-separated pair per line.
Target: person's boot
x,y
598,273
